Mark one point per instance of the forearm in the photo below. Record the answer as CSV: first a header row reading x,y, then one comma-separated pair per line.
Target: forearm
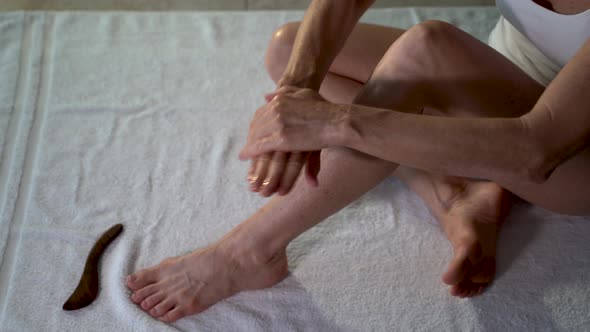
x,y
528,148
322,33
487,148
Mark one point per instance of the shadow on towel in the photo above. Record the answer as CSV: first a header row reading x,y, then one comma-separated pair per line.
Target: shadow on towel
x,y
287,306
542,260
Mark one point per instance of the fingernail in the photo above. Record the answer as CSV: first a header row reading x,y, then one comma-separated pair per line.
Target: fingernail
x,y
252,179
131,278
265,182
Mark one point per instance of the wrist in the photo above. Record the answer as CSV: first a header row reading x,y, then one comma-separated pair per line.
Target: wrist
x,y
357,130
301,82
340,128
305,79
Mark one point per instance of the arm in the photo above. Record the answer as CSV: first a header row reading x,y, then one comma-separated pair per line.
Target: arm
x,y
323,31
530,147
321,35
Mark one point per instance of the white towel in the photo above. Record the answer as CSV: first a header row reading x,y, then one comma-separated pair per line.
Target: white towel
x,y
137,118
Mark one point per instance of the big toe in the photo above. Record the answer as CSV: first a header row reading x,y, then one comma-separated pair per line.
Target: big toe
x,y
465,256
457,268
142,278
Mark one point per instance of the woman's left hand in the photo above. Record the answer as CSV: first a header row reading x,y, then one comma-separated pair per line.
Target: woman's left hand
x,y
295,120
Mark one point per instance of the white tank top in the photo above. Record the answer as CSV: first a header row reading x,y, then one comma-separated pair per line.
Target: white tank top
x,y
558,36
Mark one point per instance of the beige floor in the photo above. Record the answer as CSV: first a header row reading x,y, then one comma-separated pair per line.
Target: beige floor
x,y
7,5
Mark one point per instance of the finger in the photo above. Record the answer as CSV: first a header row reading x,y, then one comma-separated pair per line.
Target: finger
x,y
282,90
265,145
252,171
312,168
287,89
262,118
260,173
292,170
262,134
270,96
274,174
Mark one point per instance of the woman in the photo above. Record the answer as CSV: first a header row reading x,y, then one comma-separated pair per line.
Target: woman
x,y
447,107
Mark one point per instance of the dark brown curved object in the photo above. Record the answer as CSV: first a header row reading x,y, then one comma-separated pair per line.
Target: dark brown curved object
x,y
87,289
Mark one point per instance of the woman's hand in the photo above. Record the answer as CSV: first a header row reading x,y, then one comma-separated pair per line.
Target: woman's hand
x,y
294,120
278,171
275,167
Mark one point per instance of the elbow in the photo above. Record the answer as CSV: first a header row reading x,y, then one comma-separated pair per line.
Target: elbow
x,y
539,162
538,169
536,163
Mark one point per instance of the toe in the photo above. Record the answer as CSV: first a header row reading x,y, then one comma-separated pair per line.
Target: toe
x,y
457,267
152,300
142,294
471,289
162,308
455,290
173,315
464,289
142,278
480,290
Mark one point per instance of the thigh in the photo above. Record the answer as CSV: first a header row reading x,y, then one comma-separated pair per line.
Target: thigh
x,y
356,61
451,72
459,76
363,50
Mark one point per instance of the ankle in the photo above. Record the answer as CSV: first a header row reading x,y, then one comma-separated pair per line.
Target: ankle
x,y
250,248
448,190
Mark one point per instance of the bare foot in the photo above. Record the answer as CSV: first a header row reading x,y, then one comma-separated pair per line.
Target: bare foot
x,y
186,285
471,214
472,219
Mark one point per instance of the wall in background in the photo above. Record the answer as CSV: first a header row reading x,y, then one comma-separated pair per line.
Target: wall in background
x,y
6,5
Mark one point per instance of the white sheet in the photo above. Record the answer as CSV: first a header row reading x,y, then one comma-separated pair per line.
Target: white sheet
x,y
138,118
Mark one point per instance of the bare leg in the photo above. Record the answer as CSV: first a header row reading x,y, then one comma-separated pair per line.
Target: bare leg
x,y
414,79
253,254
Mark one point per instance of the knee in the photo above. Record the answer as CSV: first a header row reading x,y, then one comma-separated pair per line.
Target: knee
x,y
279,49
431,30
416,50
428,36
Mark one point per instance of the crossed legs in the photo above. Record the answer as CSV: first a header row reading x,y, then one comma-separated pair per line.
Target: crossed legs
x,y
433,69
413,75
